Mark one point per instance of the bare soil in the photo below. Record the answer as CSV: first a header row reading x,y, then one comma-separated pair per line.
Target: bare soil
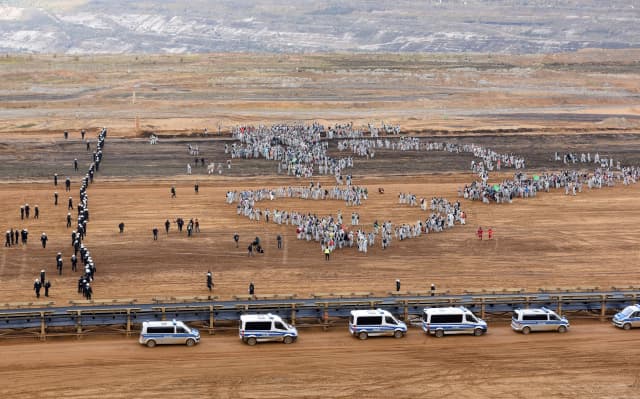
x,y
530,105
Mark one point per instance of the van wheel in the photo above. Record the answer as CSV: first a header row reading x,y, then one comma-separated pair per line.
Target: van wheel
x,y
363,335
191,342
439,333
626,326
151,343
288,339
397,334
562,329
526,330
478,332
251,341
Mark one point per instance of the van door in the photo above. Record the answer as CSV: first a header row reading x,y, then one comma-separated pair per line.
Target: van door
x,y
180,336
635,319
470,322
554,322
390,325
280,330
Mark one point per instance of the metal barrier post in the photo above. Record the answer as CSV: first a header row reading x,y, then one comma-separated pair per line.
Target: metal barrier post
x,y
560,304
128,322
325,317
405,312
78,324
211,320
293,314
43,327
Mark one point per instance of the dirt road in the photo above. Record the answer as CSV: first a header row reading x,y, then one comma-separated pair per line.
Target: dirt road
x,y
591,360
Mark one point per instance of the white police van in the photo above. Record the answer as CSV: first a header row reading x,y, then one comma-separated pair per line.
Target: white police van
x,y
262,328
168,332
628,318
543,319
452,320
371,323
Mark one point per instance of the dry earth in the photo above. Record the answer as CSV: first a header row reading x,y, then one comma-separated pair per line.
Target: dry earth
x,y
531,105
592,360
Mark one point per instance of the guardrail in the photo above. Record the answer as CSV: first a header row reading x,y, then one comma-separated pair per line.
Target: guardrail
x,y
124,315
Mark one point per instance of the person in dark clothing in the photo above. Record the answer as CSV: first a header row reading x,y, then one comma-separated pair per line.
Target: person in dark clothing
x,y
8,239
75,164
81,284
88,291
121,227
22,213
155,234
209,280
167,224
82,133
252,289
70,204
27,210
55,198
196,188
236,238
59,263
67,184
180,224
433,289
44,239
397,285
36,212
66,135
74,263
55,179
24,235
47,285
173,192
250,249
88,146
17,234
43,276
36,288
68,220
279,239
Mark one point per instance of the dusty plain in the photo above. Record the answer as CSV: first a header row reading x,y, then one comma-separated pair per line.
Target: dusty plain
x,y
530,105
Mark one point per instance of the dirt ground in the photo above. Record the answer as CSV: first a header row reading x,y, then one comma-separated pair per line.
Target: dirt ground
x,y
530,105
592,360
552,240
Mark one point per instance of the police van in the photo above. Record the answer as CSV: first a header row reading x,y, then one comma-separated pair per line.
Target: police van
x,y
543,319
266,327
452,320
628,318
371,323
168,332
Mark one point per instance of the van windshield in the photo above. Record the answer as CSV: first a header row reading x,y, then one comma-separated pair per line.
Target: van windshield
x,y
471,318
627,311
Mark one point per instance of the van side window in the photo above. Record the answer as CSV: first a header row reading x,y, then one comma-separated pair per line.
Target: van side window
x,y
553,317
258,325
279,326
159,330
369,320
636,314
389,320
534,317
471,318
180,330
446,318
